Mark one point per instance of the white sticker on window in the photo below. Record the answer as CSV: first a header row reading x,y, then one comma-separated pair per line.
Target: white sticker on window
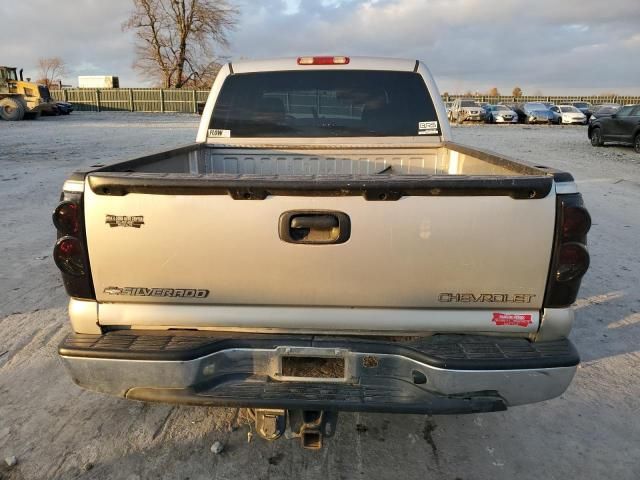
x,y
216,132
428,128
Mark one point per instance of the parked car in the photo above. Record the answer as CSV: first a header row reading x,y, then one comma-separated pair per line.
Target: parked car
x,y
486,107
622,126
283,280
538,112
447,106
557,115
500,114
517,107
466,109
63,108
584,107
604,110
602,105
570,115
57,107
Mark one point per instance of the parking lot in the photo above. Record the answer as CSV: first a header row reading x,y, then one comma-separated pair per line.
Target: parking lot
x,y
58,431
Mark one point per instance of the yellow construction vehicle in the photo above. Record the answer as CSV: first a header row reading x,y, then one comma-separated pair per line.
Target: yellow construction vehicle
x,y
20,99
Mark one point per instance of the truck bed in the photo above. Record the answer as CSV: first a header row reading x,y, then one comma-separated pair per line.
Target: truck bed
x,y
377,173
448,159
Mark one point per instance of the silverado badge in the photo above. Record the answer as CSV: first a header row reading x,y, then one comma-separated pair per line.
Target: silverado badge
x,y
135,221
157,292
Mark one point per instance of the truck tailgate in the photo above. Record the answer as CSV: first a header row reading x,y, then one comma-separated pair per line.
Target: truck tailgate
x,y
417,252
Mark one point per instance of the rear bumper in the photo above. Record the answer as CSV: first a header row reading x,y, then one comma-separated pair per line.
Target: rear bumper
x,y
434,375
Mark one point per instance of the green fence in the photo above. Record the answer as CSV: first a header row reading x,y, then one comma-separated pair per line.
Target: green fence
x,y
132,99
186,101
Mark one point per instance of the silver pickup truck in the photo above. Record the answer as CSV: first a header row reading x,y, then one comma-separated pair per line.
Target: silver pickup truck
x,y
324,246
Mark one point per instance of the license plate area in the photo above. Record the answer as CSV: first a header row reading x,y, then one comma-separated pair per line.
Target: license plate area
x,y
302,364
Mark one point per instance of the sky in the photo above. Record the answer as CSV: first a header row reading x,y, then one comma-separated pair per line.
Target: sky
x,y
548,47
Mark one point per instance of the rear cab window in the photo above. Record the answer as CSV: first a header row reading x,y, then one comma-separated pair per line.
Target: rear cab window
x,y
324,103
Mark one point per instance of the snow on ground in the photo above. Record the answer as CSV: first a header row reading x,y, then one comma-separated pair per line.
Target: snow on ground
x,y
58,431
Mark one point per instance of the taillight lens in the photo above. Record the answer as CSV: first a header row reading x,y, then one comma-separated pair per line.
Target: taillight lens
x,y
576,222
573,262
570,258
69,256
66,218
70,252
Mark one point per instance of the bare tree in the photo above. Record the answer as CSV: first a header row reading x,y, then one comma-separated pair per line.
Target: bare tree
x,y
494,92
51,69
177,39
517,92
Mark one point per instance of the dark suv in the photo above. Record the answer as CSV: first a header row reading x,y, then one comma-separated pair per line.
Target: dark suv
x,y
621,127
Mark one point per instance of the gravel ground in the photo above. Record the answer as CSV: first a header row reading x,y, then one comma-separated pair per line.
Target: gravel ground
x,y
58,431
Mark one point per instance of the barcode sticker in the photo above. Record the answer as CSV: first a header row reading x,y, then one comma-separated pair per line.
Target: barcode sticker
x,y
219,133
427,128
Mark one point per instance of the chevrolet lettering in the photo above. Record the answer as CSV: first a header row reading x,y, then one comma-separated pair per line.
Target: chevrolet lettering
x,y
486,297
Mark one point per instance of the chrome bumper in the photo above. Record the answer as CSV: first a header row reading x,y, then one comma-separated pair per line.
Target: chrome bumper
x,y
372,381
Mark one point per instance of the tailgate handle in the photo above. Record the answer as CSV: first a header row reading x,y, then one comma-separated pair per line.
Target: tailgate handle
x,y
319,222
319,227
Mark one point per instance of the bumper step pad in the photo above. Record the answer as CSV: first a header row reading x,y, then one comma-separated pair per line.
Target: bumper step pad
x,y
461,352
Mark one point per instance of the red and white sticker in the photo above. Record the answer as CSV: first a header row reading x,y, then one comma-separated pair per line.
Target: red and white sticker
x,y
512,319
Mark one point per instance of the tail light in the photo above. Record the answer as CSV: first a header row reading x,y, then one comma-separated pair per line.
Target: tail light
x,y
576,221
573,262
70,252
69,256
570,258
323,60
66,218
